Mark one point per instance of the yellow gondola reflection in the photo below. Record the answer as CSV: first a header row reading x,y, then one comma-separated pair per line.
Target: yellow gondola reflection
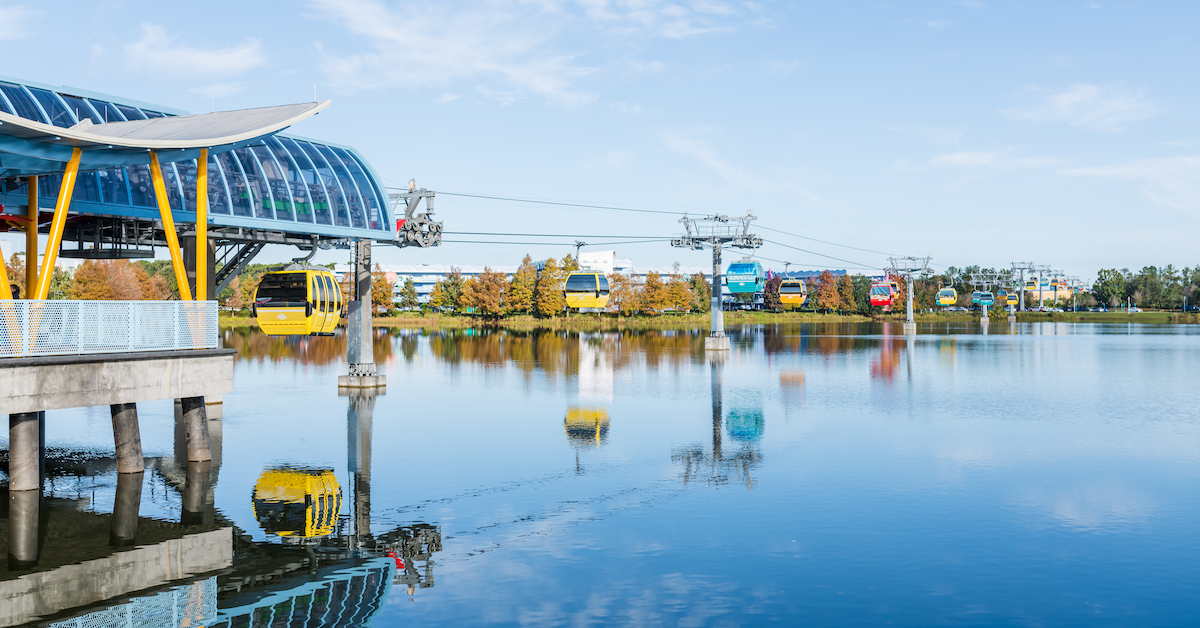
x,y
586,426
296,503
298,302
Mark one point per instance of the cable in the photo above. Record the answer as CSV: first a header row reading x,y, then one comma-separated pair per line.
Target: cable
x,y
567,244
794,235
857,264
549,235
525,200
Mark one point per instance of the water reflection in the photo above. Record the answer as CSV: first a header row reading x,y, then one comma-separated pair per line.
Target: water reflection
x,y
715,465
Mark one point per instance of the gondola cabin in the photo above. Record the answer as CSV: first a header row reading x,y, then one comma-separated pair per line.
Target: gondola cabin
x,y
1002,295
986,298
586,290
1011,299
745,278
947,296
793,292
883,293
975,297
1031,284
298,303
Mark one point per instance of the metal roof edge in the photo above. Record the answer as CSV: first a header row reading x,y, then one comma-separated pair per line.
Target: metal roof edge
x,y
120,100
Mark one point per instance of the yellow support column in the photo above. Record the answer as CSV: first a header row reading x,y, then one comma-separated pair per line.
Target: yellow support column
x,y
56,228
202,226
31,232
164,210
5,291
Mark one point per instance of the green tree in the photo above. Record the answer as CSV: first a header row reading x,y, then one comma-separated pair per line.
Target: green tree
x,y
1109,287
520,290
409,299
846,293
447,292
701,292
548,292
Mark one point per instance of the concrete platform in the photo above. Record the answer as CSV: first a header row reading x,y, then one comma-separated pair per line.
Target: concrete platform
x,y
716,344
56,382
362,381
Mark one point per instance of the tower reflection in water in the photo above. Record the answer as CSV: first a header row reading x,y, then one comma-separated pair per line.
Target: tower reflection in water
x,y
720,465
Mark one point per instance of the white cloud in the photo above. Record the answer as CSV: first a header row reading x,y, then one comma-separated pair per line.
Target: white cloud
x,y
161,53
1095,107
707,156
14,21
992,159
1170,181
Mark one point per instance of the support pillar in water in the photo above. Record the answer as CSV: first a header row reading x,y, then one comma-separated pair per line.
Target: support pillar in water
x,y
360,353
359,417
25,451
127,438
125,510
195,425
195,493
716,340
23,518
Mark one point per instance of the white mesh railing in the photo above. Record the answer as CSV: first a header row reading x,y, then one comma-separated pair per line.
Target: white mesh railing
x,y
35,328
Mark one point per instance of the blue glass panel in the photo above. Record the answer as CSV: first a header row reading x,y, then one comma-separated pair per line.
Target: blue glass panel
x,y
114,186
187,181
141,186
295,179
108,113
59,116
239,192
48,185
87,188
311,204
131,113
370,195
21,102
15,185
4,104
81,109
328,184
153,114
218,192
174,196
280,191
258,184
357,215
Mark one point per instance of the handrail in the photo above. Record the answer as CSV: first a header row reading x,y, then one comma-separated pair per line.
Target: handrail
x,y
31,328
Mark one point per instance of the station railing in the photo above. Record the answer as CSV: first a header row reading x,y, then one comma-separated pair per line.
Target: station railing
x,y
38,328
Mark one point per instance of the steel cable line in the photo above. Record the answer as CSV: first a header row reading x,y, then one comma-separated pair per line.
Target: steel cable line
x,y
858,264
582,205
567,244
550,235
847,246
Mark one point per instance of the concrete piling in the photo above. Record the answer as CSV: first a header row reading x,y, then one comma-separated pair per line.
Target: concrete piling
x,y
195,421
23,519
195,493
127,438
125,509
25,449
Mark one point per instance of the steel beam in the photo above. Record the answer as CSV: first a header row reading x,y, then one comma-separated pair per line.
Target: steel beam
x,y
56,228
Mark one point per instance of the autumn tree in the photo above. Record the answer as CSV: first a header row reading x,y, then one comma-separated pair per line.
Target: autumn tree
x,y
107,280
409,299
519,297
623,295
16,274
447,292
846,292
827,292
678,292
236,299
548,293
381,290
655,297
485,293
570,263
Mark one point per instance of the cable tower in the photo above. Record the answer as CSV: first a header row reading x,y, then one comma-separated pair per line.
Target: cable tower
x,y
907,266
715,232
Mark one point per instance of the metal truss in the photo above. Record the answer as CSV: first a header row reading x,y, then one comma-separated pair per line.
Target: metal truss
x,y
415,229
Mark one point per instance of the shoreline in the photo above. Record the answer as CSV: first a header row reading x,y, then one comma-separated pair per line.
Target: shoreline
x,y
607,322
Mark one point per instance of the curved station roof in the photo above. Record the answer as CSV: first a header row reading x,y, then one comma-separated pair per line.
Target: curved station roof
x,y
258,178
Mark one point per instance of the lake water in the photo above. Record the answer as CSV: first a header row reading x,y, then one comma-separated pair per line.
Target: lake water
x,y
827,475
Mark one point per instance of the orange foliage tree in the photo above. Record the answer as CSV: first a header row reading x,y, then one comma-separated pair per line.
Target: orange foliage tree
x,y
827,292
485,293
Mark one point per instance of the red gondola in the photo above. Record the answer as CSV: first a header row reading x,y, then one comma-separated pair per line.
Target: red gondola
x,y
883,293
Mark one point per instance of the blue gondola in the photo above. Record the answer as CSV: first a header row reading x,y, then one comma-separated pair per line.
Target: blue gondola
x,y
745,277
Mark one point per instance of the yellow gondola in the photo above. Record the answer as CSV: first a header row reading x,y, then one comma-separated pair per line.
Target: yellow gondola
x,y
586,290
1031,284
299,302
947,296
1011,299
297,504
793,292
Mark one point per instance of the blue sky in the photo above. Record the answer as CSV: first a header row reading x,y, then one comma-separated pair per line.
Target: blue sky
x,y
977,132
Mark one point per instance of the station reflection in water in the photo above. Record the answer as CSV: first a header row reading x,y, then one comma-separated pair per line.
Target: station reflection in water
x,y
319,567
